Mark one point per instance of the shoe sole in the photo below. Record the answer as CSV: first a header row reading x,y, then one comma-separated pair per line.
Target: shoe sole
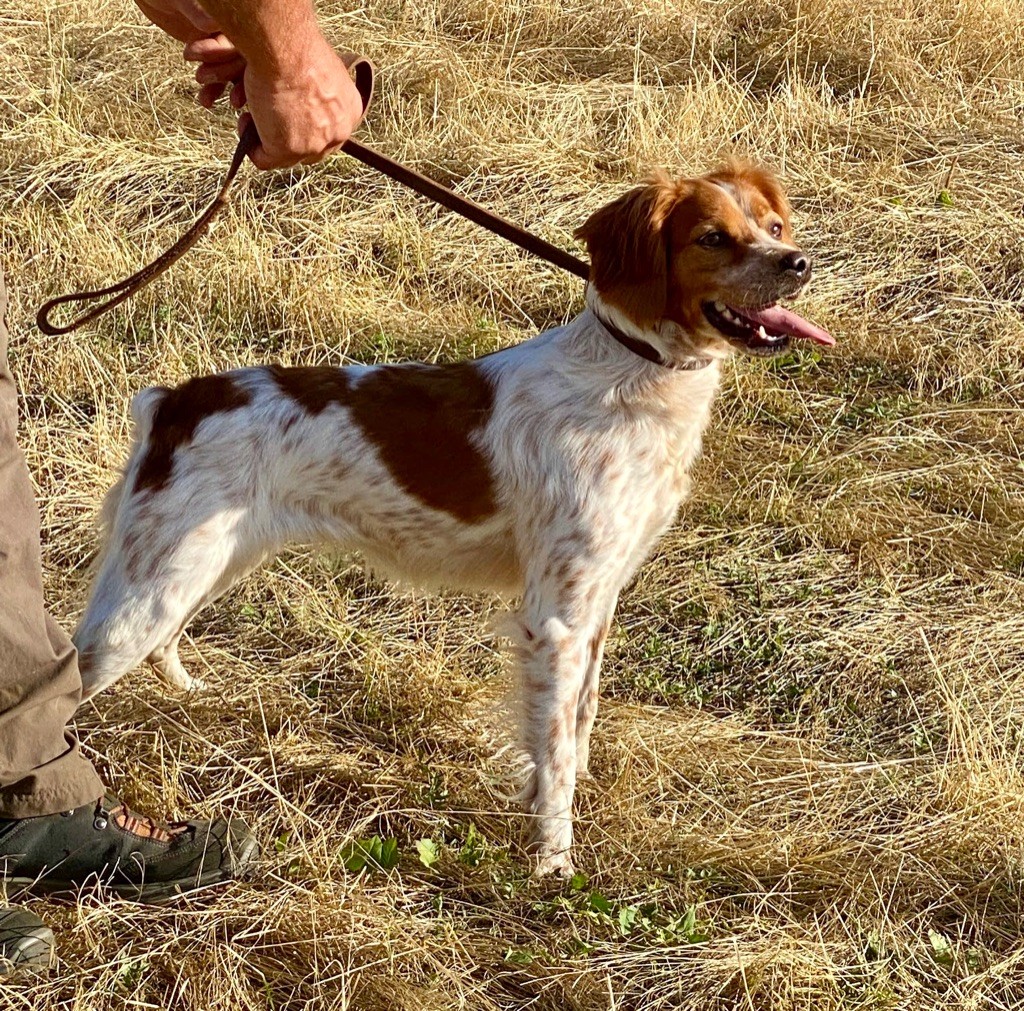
x,y
153,893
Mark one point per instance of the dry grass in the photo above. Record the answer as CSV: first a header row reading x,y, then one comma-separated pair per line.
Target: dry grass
x,y
812,706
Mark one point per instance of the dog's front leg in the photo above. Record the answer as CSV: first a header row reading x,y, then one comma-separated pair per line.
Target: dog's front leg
x,y
564,607
586,710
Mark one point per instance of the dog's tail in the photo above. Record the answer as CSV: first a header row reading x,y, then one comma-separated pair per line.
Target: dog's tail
x,y
144,408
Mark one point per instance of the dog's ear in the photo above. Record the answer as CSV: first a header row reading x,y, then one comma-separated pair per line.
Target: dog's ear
x,y
628,251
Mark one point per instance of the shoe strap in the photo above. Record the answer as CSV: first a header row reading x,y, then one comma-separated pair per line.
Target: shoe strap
x,y
136,824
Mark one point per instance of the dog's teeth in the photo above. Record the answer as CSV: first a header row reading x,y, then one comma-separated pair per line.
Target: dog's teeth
x,y
761,332
721,307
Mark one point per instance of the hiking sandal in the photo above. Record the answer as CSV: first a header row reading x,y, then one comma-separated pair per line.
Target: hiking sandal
x,y
132,856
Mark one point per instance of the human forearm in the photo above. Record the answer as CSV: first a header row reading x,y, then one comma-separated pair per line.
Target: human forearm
x,y
274,36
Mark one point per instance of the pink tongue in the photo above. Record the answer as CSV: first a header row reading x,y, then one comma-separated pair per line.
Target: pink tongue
x,y
778,320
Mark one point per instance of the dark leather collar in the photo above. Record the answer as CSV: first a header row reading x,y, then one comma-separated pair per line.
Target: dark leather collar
x,y
649,352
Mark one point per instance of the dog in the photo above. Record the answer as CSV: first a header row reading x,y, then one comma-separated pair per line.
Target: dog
x,y
545,471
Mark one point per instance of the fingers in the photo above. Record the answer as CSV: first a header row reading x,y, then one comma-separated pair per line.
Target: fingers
x,y
191,10
259,157
263,160
209,93
184,20
221,66
211,49
224,73
303,115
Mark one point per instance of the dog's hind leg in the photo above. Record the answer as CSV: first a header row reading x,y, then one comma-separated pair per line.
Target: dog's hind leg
x,y
156,574
164,659
167,664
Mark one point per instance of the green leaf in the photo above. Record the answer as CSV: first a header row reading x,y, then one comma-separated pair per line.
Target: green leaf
x,y
627,919
428,852
281,842
599,904
945,198
472,852
942,952
354,857
578,881
388,857
518,956
689,923
361,853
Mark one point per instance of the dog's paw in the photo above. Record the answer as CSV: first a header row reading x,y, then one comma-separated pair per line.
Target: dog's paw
x,y
550,865
172,672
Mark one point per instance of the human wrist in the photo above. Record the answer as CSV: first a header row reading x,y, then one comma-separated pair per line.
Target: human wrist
x,y
287,55
274,36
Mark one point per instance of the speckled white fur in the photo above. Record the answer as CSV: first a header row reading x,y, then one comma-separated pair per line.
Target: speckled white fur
x,y
589,448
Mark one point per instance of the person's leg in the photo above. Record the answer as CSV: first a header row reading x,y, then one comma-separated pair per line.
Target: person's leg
x,y
58,831
41,769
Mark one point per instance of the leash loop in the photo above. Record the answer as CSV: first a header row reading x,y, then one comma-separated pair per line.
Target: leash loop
x,y
126,288
362,73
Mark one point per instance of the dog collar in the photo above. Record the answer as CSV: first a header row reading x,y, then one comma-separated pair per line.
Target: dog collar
x,y
649,352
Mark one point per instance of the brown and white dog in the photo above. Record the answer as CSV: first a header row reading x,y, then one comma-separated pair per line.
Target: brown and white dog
x,y
546,471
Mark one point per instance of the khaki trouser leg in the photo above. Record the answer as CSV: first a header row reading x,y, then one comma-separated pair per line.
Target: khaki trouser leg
x,y
41,769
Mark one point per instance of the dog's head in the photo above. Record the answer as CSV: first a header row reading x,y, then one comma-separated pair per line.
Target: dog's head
x,y
713,254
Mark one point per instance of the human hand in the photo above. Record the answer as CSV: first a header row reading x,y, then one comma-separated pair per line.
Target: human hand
x,y
220,62
299,92
184,20
220,65
304,109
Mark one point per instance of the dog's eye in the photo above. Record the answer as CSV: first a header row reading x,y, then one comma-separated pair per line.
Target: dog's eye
x,y
712,240
776,229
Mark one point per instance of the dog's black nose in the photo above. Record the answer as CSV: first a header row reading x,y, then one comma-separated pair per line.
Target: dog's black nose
x,y
795,263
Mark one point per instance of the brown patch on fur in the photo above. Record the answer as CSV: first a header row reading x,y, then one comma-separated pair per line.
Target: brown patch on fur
x,y
315,387
421,419
175,421
628,258
760,182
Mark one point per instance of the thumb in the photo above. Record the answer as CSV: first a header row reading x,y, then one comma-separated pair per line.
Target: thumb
x,y
259,157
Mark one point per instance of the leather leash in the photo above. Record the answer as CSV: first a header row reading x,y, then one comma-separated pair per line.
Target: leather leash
x,y
363,73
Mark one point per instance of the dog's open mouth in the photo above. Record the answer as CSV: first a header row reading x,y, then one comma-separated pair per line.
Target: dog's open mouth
x,y
764,331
